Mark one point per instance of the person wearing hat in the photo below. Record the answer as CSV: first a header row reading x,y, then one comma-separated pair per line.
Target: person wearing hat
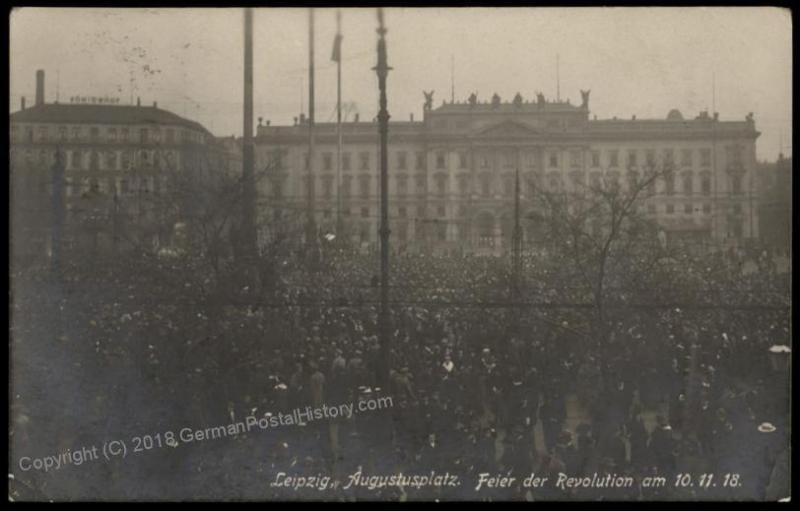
x,y
553,412
356,371
316,384
586,450
297,386
662,444
614,447
638,438
566,452
721,433
486,450
402,385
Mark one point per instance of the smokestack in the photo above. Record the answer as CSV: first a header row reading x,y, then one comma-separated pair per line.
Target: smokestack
x,y
22,106
40,87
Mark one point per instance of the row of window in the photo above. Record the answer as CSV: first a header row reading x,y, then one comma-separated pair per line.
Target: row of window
x,y
104,160
364,163
690,209
112,186
97,134
611,158
486,185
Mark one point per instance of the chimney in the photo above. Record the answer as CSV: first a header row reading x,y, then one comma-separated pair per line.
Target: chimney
x,y
40,87
138,101
412,117
22,106
716,116
155,104
356,118
302,118
267,122
295,121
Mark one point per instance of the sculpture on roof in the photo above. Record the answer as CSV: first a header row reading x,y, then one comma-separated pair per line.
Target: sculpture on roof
x,y
473,99
428,100
749,117
495,100
674,115
540,98
518,100
585,97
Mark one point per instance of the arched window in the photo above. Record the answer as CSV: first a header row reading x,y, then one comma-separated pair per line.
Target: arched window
x,y
485,227
463,184
486,185
363,182
506,228
508,185
441,184
688,187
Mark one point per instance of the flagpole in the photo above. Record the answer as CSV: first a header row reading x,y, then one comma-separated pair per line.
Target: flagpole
x,y
339,123
311,228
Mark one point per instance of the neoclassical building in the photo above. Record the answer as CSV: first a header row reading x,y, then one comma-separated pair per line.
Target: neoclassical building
x,y
452,174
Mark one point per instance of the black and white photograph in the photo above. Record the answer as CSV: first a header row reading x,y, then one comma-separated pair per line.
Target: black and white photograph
x,y
344,254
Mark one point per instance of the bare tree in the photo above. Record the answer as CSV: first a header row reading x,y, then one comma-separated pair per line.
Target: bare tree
x,y
602,237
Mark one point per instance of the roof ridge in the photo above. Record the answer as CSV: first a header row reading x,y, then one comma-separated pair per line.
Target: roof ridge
x,y
102,114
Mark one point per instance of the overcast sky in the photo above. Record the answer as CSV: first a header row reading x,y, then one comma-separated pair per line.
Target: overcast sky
x,y
636,61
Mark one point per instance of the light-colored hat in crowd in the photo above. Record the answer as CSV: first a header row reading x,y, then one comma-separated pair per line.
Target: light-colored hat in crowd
x,y
766,427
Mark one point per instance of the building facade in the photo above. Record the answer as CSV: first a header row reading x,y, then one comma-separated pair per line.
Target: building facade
x,y
117,160
775,203
452,175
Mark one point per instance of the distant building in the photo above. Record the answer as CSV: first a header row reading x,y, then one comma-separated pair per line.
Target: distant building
x,y
775,203
452,174
117,159
231,152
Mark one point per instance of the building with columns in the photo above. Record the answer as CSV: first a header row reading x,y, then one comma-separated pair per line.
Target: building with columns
x,y
452,174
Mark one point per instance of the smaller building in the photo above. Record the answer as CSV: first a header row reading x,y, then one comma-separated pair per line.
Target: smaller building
x,y
775,203
119,163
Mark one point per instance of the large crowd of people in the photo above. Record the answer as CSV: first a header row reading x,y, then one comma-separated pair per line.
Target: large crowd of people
x,y
487,372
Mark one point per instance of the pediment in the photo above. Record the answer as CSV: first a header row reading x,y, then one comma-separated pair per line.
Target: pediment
x,y
507,129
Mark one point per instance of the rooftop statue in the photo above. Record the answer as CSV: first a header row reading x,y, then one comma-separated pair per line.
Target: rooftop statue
x,y
518,99
473,99
495,100
585,97
428,100
540,98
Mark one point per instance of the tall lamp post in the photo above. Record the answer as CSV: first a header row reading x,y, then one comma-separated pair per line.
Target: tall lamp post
x,y
517,255
57,176
382,70
248,234
311,226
